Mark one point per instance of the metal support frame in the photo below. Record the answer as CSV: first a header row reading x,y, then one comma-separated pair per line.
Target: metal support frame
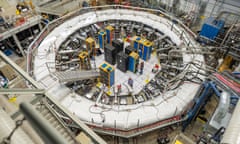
x,y
18,44
35,84
21,91
19,70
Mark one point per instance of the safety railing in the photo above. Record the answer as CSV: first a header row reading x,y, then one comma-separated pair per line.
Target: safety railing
x,y
184,33
127,133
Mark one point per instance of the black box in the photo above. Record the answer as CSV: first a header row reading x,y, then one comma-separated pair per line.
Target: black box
x,y
110,49
110,60
129,49
118,45
110,54
122,61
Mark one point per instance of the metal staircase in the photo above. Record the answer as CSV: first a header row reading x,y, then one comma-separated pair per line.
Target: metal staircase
x,y
48,113
71,76
48,81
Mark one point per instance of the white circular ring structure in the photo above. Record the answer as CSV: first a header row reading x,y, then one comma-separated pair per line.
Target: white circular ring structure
x,y
169,106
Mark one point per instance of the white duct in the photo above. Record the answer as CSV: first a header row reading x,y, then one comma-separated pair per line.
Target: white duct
x,y
7,125
232,133
223,107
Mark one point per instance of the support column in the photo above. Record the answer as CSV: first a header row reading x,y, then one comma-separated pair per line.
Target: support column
x,y
18,44
40,26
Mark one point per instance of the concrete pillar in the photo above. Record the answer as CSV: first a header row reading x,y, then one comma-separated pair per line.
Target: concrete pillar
x,y
18,44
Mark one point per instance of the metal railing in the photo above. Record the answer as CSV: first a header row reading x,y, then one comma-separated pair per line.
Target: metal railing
x,y
128,133
184,33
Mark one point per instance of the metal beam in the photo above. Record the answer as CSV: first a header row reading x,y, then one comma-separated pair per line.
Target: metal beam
x,y
21,91
18,44
84,127
29,23
19,70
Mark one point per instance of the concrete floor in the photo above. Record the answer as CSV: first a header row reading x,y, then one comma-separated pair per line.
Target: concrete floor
x,y
9,8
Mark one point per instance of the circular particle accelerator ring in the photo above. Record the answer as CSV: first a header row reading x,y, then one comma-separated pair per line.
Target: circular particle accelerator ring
x,y
125,69
145,62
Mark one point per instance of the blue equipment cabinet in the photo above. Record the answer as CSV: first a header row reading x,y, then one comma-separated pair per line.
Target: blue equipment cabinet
x,y
211,28
111,75
133,61
135,43
101,39
107,73
141,48
147,50
109,33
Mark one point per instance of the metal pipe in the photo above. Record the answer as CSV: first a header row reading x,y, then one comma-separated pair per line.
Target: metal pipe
x,y
21,91
213,8
188,52
226,12
43,127
31,133
223,107
226,35
99,96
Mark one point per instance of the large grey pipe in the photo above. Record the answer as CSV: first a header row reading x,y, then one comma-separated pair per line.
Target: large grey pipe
x,y
41,125
223,107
